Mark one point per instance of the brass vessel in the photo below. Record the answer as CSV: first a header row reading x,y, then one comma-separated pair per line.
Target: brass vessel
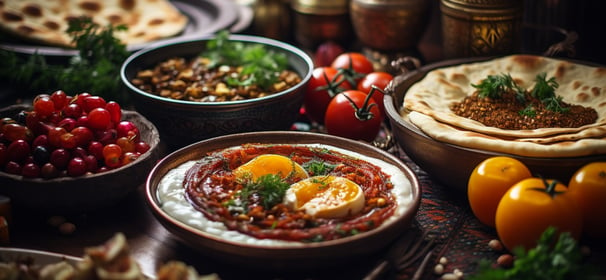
x,y
389,25
317,21
481,27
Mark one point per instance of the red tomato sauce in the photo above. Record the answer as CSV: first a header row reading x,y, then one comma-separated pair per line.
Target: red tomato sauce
x,y
210,187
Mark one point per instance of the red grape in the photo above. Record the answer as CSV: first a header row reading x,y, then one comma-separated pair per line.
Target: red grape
x,y
49,171
18,151
76,167
59,158
30,170
43,105
83,135
99,118
59,99
114,110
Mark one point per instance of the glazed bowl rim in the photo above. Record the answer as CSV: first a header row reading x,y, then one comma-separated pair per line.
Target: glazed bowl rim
x,y
177,156
288,48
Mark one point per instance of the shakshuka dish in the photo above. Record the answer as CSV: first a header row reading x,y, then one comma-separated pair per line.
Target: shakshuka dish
x,y
285,194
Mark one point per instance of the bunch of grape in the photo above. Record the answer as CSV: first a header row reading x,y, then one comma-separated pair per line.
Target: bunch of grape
x,y
66,135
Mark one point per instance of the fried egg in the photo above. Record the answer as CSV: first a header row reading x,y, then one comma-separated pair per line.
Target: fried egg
x,y
326,197
270,164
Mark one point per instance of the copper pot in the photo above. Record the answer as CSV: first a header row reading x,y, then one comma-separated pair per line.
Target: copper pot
x,y
389,25
317,21
472,28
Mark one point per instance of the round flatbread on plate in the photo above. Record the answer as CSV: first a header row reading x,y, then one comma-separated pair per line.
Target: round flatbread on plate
x,y
427,106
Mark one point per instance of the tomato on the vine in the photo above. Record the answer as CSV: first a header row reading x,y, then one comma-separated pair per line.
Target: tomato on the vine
x,y
489,181
321,88
588,188
379,79
353,60
353,114
532,205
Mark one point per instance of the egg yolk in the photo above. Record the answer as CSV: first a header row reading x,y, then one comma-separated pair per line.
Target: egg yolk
x,y
326,197
270,164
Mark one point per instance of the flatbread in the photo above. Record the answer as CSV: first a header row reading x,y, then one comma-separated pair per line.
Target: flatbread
x,y
46,21
471,139
578,84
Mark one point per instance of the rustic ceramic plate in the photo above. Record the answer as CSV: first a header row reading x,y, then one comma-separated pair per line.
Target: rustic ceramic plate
x,y
285,256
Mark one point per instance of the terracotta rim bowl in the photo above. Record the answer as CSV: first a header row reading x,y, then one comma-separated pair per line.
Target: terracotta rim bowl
x,y
451,164
286,256
184,122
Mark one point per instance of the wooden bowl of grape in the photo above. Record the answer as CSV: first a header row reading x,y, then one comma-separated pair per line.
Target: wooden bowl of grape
x,y
73,154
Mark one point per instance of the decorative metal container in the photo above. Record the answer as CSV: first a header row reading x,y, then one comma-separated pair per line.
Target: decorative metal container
x,y
389,25
317,21
481,27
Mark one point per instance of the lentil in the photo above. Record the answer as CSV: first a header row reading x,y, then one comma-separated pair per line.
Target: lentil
x,y
504,112
193,80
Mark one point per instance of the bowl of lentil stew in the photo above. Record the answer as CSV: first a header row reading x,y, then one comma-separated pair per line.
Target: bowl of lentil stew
x,y
451,164
186,107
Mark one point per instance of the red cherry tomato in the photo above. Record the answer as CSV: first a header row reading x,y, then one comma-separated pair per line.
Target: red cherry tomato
x,y
378,79
326,53
360,120
320,90
355,61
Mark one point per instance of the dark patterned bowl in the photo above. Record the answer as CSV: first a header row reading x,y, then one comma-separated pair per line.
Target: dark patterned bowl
x,y
184,122
84,193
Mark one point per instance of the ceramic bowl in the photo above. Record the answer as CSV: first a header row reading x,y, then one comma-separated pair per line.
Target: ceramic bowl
x,y
184,122
87,192
285,256
449,164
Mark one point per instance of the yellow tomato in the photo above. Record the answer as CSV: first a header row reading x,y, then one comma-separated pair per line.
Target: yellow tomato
x,y
588,188
488,183
531,206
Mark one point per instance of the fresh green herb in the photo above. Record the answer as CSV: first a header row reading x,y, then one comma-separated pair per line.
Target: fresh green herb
x,y
494,86
528,111
95,69
554,258
260,65
270,188
318,168
544,90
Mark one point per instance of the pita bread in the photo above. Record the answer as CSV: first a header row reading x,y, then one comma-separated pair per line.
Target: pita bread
x,y
578,84
46,21
471,139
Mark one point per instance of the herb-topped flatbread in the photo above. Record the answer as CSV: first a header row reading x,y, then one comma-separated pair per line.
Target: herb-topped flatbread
x,y
578,90
46,21
439,89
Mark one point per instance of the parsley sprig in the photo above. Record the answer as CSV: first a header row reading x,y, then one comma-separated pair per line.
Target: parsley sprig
x,y
260,65
556,257
269,189
544,90
96,67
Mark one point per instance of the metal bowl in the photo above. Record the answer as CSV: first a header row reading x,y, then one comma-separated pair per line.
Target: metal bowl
x,y
451,164
84,193
285,256
184,122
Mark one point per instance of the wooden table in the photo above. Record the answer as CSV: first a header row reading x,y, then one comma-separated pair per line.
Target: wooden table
x,y
462,239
